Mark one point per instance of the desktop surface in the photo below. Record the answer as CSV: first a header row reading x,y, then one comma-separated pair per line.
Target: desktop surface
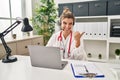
x,y
22,70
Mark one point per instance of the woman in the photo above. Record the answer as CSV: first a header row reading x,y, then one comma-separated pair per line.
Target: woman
x,y
68,41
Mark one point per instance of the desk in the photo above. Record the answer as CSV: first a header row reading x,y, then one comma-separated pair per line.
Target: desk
x,y
22,70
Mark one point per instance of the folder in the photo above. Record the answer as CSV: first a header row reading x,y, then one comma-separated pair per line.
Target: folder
x,y
104,29
79,27
88,29
85,70
94,30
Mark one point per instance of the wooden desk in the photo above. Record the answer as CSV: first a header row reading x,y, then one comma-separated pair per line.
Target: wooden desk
x,y
22,70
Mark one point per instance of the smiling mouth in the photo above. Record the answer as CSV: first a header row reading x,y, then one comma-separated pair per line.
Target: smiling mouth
x,y
68,29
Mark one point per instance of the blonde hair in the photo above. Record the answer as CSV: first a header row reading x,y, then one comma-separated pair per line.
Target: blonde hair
x,y
67,14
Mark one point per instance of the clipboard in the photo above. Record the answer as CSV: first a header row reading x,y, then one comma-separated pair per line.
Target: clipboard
x,y
87,70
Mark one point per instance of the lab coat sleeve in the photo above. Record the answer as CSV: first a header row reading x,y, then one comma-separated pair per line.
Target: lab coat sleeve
x,y
51,40
78,53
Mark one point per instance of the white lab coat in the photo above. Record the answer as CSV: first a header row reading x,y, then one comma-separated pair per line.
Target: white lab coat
x,y
75,53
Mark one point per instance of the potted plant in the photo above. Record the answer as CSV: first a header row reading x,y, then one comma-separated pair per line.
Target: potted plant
x,y
44,19
117,53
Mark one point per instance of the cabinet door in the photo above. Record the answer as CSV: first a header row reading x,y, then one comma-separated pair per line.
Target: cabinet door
x,y
80,9
37,41
12,46
97,8
22,48
113,7
2,51
62,6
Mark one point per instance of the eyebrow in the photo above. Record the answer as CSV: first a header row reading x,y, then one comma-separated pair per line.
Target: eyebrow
x,y
66,22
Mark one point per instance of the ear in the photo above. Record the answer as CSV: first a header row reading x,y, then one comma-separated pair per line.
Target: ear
x,y
73,23
59,22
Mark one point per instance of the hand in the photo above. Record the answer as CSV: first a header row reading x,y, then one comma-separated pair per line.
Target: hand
x,y
77,36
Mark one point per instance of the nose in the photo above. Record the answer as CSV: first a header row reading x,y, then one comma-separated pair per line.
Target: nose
x,y
67,25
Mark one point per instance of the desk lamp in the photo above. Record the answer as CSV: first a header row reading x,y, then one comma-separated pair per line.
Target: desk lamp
x,y
26,27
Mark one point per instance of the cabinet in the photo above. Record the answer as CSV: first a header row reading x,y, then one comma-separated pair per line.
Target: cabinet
x,y
37,41
113,7
97,8
62,6
22,48
12,46
115,28
114,41
19,45
92,7
1,51
80,9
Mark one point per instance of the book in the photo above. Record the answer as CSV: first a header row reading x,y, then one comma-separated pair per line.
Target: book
x,y
83,70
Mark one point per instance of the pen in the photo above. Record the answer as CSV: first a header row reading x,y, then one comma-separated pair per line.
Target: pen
x,y
89,75
86,69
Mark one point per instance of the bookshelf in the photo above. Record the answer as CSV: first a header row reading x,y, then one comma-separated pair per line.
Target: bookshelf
x,y
97,44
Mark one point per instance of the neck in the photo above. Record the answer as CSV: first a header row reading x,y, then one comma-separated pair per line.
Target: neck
x,y
65,34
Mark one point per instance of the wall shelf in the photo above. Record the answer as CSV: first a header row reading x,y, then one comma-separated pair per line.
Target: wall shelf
x,y
99,44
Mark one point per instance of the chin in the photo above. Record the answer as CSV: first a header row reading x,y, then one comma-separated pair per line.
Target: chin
x,y
68,31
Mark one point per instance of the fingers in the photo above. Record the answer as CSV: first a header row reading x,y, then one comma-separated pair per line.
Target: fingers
x,y
82,33
78,34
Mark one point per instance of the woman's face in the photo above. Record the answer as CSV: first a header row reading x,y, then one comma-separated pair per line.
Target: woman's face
x,y
67,24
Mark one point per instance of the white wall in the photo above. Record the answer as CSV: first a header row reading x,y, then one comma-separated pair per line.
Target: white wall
x,y
28,8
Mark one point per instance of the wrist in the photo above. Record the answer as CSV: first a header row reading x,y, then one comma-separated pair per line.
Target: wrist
x,y
77,44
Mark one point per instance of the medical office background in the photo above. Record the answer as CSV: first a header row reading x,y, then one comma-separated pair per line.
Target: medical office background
x,y
99,40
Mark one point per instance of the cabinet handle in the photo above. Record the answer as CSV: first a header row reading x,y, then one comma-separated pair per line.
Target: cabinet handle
x,y
97,5
80,6
117,3
25,46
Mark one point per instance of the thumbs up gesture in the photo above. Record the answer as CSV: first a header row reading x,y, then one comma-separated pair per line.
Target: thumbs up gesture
x,y
77,37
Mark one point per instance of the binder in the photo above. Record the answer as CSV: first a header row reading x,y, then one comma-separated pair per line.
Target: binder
x,y
79,69
104,29
79,27
88,29
94,30
99,27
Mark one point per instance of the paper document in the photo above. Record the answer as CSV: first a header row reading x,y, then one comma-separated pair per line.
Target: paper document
x,y
83,70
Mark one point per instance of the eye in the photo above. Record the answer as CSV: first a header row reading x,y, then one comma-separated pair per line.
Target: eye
x,y
64,23
70,23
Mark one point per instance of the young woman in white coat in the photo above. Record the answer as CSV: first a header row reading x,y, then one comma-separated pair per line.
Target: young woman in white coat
x,y
69,42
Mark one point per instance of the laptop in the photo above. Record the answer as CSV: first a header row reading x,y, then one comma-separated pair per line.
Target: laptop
x,y
46,57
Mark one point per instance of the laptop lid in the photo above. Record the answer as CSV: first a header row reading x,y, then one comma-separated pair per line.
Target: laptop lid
x,y
47,57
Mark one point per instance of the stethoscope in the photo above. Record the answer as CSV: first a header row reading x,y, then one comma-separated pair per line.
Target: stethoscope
x,y
60,39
